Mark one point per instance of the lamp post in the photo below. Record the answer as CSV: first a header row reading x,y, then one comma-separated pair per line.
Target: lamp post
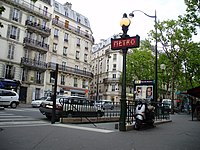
x,y
124,23
156,41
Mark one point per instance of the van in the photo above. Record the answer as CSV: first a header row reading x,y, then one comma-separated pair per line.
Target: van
x,y
9,98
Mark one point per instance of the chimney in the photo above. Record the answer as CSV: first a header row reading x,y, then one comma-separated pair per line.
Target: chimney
x,y
67,4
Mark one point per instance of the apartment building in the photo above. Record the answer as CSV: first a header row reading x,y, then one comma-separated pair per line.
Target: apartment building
x,y
36,37
107,69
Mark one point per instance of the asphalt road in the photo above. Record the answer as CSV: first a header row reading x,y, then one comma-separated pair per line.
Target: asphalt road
x,y
180,134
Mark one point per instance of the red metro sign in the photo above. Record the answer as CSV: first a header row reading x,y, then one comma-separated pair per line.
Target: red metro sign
x,y
129,42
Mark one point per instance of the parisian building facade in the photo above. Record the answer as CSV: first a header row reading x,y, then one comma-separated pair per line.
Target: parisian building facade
x,y
37,36
107,68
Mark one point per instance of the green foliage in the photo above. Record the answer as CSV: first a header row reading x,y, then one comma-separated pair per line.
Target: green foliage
x,y
140,63
2,9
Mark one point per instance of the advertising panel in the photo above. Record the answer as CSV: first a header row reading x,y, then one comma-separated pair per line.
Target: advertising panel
x,y
144,92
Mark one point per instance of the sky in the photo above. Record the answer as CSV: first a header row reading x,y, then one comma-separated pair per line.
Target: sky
x,y
105,15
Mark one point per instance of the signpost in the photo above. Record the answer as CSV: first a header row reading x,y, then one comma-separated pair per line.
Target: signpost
x,y
129,42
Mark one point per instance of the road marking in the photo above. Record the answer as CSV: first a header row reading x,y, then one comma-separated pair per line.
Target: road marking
x,y
84,128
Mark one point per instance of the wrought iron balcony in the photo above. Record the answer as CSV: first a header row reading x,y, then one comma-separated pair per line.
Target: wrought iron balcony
x,y
35,45
29,7
71,28
33,64
70,70
34,26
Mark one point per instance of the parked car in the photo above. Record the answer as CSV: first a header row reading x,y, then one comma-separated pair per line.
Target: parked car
x,y
37,102
72,106
104,104
9,98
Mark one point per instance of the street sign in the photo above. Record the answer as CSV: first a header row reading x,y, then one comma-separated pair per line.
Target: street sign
x,y
129,42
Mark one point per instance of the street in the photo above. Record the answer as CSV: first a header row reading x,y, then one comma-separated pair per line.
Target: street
x,y
27,129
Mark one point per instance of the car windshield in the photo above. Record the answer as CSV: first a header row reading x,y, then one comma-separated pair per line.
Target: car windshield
x,y
42,98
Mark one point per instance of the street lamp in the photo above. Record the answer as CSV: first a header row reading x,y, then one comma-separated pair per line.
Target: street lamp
x,y
124,23
156,59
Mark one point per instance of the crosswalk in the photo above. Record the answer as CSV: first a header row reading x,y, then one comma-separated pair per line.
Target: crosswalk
x,y
8,119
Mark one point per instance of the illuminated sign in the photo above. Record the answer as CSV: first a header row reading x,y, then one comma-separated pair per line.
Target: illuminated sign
x,y
129,42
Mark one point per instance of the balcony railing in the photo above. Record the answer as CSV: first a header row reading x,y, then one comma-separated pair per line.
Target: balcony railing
x,y
34,44
29,7
38,27
71,28
106,80
67,69
33,63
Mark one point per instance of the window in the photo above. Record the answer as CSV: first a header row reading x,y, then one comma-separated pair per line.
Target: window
x,y
15,15
66,24
114,67
45,11
114,57
86,45
11,51
78,29
76,67
56,19
24,75
84,69
37,93
113,87
65,51
38,77
75,82
114,75
83,84
86,21
56,33
64,65
55,47
13,32
66,37
78,43
62,80
77,55
10,71
85,57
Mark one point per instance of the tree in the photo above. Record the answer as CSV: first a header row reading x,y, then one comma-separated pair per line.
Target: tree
x,y
140,63
2,9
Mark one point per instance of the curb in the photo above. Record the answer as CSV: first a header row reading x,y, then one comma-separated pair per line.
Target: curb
x,y
130,127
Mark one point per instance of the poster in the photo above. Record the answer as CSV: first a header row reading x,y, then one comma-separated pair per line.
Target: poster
x,y
144,92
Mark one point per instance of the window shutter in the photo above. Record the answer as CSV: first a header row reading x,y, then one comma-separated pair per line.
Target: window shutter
x,y
18,32
9,50
12,51
3,71
8,32
20,16
13,72
11,13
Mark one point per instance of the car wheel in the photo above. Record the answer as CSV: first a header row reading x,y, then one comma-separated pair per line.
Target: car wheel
x,y
13,105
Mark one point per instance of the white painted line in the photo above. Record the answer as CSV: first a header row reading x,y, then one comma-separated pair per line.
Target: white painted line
x,y
23,125
15,119
10,116
84,128
23,122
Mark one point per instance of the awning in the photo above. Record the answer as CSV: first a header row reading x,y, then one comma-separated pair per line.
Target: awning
x,y
194,92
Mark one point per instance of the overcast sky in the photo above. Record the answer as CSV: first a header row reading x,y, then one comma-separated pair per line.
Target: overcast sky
x,y
105,15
